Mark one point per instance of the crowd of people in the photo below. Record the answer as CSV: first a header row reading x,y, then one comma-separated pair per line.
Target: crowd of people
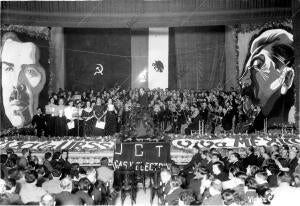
x,y
91,113
248,176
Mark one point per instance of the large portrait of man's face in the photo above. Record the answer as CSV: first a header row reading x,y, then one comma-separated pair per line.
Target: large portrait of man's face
x,y
23,78
268,72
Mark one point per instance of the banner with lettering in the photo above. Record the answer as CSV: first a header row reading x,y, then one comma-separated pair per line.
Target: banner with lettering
x,y
237,141
141,156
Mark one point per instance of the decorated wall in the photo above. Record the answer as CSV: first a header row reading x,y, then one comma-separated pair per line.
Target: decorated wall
x,y
265,71
24,73
97,58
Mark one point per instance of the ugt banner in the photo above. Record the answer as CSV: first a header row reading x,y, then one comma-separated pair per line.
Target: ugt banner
x,y
144,156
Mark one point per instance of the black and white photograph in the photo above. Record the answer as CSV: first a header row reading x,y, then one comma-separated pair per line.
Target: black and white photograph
x,y
150,102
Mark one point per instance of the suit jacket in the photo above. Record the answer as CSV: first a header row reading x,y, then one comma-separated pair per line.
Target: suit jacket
x,y
223,176
166,188
292,165
213,200
173,197
87,200
250,160
195,159
144,100
66,198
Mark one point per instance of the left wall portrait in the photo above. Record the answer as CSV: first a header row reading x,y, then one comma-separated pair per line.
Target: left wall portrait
x,y
24,72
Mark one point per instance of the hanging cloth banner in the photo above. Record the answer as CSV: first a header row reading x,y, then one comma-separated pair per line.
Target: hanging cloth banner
x,y
158,61
134,155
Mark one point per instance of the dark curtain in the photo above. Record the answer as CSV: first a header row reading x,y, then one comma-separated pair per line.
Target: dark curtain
x,y
85,48
197,58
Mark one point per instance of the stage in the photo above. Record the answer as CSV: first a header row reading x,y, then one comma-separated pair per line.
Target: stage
x,y
88,151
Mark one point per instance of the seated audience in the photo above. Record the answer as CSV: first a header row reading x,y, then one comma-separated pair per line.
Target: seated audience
x,y
104,173
47,200
29,192
219,172
66,197
172,196
215,190
285,192
84,186
52,186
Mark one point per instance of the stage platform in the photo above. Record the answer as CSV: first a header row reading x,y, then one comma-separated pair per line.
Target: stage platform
x,y
88,151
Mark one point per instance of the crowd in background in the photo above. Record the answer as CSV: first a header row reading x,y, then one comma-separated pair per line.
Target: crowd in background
x,y
73,113
247,176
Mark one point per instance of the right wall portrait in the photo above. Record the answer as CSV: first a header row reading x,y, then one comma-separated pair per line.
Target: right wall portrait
x,y
266,75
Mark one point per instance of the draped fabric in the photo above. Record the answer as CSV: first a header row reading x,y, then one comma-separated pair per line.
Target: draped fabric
x,y
197,57
86,49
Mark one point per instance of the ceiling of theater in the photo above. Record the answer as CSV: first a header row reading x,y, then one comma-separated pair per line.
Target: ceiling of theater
x,y
139,13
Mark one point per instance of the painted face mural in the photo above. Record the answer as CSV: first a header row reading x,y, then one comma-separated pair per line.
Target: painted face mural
x,y
268,71
23,78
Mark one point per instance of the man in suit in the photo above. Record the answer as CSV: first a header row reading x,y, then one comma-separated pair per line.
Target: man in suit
x,y
65,197
39,122
172,197
165,177
215,190
143,99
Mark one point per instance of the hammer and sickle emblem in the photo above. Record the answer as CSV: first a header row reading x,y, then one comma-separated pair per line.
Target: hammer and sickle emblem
x,y
99,69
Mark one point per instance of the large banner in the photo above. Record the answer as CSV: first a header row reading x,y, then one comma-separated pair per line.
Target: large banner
x,y
153,150
236,142
266,72
141,156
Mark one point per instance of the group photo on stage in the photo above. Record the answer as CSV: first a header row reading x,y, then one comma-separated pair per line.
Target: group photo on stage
x,y
150,102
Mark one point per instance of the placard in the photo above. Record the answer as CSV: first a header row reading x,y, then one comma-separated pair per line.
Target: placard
x,y
143,156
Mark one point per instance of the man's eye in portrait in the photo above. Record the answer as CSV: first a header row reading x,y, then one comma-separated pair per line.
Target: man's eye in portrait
x,y
33,76
258,62
7,68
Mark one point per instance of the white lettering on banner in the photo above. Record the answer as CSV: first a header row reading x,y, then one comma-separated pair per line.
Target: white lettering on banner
x,y
147,166
120,152
159,146
57,145
136,150
78,146
235,142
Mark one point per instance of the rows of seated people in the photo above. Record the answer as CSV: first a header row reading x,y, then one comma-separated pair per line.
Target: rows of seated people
x,y
248,176
104,113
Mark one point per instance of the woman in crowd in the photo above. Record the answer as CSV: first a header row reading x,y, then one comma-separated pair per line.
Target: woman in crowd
x,y
99,114
69,113
60,120
111,119
88,117
51,116
127,111
64,162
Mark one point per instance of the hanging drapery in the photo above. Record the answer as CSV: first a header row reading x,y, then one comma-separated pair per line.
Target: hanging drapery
x,y
200,57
